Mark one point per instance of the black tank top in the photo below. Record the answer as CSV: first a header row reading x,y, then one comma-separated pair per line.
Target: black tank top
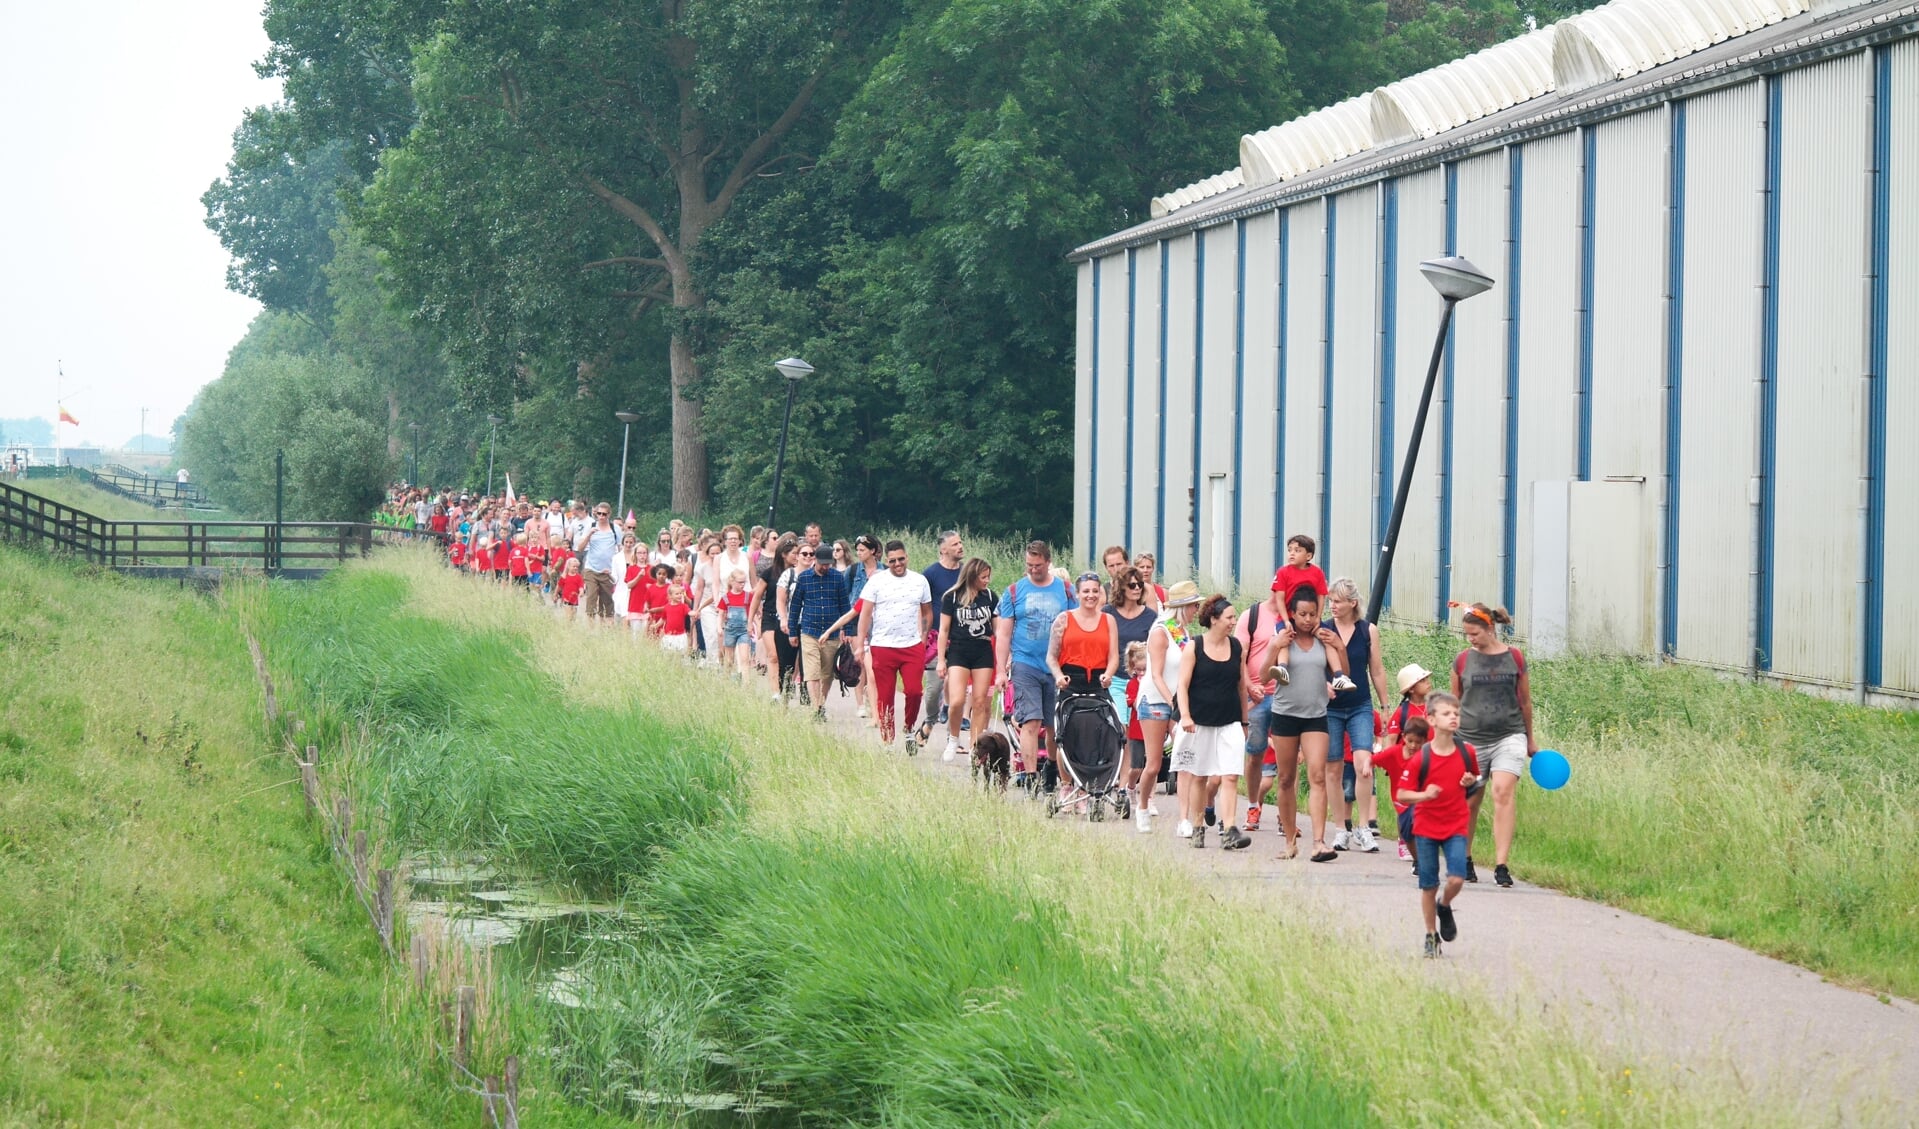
x,y
1214,691
1359,661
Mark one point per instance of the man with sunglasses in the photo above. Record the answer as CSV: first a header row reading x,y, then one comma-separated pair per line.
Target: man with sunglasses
x,y
598,547
896,614
813,611
1027,610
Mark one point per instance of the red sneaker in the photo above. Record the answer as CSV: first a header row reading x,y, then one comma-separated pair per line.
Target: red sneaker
x,y
1252,818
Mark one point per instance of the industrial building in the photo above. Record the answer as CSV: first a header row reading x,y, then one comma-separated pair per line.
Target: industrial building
x,y
1675,423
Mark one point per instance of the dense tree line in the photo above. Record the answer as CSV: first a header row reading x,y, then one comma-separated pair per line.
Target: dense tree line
x,y
550,210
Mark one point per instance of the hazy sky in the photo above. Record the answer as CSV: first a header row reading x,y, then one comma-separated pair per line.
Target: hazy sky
x,y
119,114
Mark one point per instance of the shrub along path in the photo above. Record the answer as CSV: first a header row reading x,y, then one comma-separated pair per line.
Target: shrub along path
x,y
1683,1005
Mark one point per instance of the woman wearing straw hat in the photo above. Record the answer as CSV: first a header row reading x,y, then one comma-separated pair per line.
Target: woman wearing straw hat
x,y
1165,652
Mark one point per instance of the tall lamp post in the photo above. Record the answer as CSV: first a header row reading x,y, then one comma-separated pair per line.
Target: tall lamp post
x,y
493,433
415,429
794,370
1456,280
627,420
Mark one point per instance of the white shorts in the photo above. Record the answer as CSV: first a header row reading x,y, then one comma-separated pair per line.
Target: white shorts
x,y
1211,750
1507,755
673,643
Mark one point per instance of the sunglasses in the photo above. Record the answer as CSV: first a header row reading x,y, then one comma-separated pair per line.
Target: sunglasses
x,y
806,553
1135,586
896,560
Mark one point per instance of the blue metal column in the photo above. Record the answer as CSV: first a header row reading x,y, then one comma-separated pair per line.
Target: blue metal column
x,y
1239,387
1388,363
1279,416
1509,520
1768,386
1675,378
1447,416
1132,406
1876,422
1159,485
1092,477
1199,387
1588,214
1326,384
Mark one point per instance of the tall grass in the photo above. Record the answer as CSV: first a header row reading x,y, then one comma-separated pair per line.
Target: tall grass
x,y
853,864
467,746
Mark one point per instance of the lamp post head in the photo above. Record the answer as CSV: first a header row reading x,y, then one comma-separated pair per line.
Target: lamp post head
x,y
413,427
1455,278
495,420
628,418
792,368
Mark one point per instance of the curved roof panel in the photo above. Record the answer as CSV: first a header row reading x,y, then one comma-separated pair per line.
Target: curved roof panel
x,y
1195,192
1304,144
1464,90
1625,37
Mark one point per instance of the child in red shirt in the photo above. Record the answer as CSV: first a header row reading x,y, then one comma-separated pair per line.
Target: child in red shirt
x,y
516,559
1438,780
483,557
535,561
672,616
557,554
456,554
1415,683
1298,572
569,586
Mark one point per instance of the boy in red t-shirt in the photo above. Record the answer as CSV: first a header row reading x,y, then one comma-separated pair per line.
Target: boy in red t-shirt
x,y
557,554
483,557
569,586
456,554
1438,780
535,561
516,559
1298,572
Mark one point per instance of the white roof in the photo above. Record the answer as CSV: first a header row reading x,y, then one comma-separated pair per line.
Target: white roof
x,y
1194,193
1304,144
1465,90
1620,39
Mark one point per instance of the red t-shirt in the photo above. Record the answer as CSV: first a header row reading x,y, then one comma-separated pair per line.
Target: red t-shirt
x,y
1402,713
1448,813
457,553
1132,700
639,596
483,559
740,600
673,619
1289,578
570,588
558,557
516,560
1389,763
437,523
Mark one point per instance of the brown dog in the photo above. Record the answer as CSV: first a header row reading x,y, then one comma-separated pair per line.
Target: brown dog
x,y
993,760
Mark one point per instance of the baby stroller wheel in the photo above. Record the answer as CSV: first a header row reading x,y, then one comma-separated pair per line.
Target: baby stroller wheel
x,y
1123,805
1098,812
1052,807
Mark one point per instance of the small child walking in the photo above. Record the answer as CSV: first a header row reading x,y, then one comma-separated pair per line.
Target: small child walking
x,y
1415,683
569,587
1437,781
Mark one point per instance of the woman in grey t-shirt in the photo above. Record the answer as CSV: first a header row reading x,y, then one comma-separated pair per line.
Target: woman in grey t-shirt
x,y
1299,713
1496,718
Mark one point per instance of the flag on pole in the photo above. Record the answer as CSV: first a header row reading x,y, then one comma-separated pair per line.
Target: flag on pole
x,y
509,490
67,416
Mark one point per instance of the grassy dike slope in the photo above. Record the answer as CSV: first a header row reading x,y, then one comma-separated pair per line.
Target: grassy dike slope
x,y
175,948
872,942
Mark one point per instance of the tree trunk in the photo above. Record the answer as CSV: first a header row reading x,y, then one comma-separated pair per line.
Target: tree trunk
x,y
689,434
392,423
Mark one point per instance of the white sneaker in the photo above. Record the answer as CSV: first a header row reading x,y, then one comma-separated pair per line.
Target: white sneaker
x,y
1363,841
1342,840
862,712
952,750
1341,682
777,699
1152,808
1142,821
1185,829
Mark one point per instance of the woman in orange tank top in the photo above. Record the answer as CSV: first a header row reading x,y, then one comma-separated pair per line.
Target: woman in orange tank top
x,y
1085,643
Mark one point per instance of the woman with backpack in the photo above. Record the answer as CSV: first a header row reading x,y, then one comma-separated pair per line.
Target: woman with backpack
x,y
1495,716
965,648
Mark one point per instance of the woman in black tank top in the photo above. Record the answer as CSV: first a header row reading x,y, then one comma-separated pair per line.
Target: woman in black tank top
x,y
1212,706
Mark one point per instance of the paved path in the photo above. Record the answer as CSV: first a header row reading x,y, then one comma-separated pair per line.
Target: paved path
x,y
1645,993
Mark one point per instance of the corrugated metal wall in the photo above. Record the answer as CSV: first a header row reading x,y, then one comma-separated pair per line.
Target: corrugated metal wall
x,y
1719,365
1083,420
1824,186
1146,408
1479,386
1901,669
1348,547
1217,420
1305,375
1422,235
1177,559
1259,415
1548,337
1109,517
1629,285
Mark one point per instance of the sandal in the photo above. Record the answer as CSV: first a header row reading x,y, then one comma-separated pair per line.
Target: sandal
x,y
1322,854
1289,851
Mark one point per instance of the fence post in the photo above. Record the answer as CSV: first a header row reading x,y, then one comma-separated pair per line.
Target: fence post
x,y
463,1025
313,754
342,819
512,1119
383,908
490,1102
420,961
310,784
359,860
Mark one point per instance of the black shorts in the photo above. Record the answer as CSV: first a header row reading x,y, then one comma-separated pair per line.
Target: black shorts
x,y
1136,752
1285,725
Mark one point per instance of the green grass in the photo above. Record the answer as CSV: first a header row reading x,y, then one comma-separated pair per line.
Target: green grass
x,y
859,939
1774,819
177,949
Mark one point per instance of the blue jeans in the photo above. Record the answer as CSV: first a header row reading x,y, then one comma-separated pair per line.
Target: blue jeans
x,y
1355,722
1426,857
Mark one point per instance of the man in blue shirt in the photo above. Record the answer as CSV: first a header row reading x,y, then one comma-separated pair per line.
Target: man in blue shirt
x,y
818,601
1026,613
597,547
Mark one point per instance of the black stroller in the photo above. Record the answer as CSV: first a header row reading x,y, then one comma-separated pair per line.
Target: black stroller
x,y
1091,744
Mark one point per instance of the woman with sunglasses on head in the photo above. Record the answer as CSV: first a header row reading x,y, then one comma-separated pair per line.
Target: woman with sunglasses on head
x,y
1495,717
1126,603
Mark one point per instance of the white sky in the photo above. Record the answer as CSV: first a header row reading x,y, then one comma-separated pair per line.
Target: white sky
x,y
119,113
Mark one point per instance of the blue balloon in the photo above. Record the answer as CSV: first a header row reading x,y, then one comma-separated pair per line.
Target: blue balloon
x,y
1550,770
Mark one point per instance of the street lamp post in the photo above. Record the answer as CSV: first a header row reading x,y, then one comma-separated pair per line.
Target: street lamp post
x,y
493,433
627,420
415,429
1456,280
794,370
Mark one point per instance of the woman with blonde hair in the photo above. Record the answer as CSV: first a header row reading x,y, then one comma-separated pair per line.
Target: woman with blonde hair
x,y
968,613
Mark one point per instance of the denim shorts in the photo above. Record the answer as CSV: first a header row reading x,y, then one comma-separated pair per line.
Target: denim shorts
x,y
1426,856
1153,711
1356,722
734,633
1259,721
1035,694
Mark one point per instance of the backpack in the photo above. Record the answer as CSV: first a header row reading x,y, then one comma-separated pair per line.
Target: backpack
x,y
846,669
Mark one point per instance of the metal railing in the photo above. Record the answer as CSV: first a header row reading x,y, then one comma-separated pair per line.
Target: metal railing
x,y
146,488
293,549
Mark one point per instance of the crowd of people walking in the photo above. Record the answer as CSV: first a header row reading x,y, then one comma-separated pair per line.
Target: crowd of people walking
x,y
1219,702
